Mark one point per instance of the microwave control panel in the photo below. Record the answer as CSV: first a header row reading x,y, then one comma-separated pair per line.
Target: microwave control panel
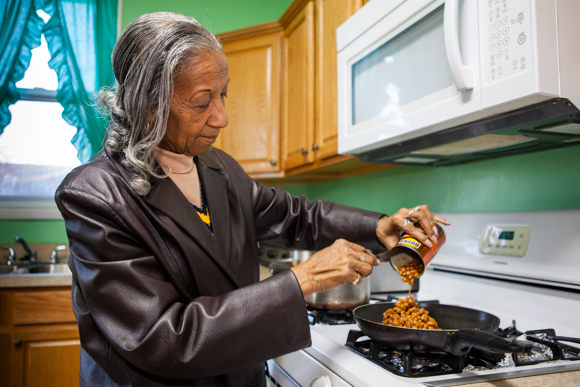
x,y
505,239
506,36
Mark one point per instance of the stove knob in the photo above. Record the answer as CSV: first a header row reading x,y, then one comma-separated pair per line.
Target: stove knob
x,y
271,254
323,381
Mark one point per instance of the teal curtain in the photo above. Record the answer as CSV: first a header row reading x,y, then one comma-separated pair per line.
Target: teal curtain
x,y
20,31
80,36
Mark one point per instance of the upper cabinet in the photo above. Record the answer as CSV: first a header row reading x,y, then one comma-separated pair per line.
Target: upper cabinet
x,y
253,103
309,103
298,89
282,96
329,14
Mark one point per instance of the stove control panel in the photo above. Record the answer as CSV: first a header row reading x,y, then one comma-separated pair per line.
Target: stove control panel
x,y
505,239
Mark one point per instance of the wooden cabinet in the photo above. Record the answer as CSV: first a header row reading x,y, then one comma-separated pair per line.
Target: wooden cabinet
x,y
282,97
329,15
253,103
39,340
298,95
310,81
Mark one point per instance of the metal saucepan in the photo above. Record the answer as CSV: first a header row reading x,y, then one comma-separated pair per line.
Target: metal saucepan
x,y
340,297
462,328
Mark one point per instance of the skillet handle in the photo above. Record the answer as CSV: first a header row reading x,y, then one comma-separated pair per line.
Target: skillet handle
x,y
461,342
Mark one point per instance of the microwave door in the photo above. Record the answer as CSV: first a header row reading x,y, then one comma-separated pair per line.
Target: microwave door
x,y
412,73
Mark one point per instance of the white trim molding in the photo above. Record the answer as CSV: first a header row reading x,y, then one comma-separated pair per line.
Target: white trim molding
x,y
32,208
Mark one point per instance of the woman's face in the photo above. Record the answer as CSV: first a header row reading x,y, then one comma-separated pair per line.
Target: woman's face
x,y
197,111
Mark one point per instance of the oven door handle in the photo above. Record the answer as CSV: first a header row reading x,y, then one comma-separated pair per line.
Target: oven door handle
x,y
462,75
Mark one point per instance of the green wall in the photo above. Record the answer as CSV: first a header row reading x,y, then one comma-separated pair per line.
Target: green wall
x,y
548,180
33,231
216,15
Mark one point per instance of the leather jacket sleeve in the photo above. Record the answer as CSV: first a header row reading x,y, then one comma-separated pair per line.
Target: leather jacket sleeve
x,y
311,225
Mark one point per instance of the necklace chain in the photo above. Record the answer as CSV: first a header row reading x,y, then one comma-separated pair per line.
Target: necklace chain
x,y
179,173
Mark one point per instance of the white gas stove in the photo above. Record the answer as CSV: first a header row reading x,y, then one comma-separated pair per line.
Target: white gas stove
x,y
537,286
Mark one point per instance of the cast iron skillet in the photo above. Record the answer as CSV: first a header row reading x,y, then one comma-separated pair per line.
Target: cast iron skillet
x,y
462,328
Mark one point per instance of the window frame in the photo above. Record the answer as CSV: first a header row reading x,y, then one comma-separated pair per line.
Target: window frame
x,y
31,207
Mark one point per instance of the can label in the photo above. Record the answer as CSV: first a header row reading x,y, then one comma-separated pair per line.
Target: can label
x,y
411,242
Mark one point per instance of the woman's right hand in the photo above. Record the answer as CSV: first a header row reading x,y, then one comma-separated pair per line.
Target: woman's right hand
x,y
341,263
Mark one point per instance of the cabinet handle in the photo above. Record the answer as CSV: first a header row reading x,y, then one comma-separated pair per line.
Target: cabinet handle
x,y
17,343
272,162
314,147
304,152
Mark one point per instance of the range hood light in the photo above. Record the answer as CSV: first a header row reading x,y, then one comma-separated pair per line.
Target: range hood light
x,y
572,139
567,128
477,144
415,160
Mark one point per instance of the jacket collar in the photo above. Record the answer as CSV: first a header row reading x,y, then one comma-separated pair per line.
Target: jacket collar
x,y
167,198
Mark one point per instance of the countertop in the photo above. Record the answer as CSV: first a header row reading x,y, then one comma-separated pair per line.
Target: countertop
x,y
264,273
568,379
35,280
60,279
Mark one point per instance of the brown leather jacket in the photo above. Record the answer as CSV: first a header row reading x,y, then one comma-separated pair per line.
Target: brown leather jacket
x,y
160,301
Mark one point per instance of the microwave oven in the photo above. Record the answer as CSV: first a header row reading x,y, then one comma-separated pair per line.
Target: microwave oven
x,y
441,82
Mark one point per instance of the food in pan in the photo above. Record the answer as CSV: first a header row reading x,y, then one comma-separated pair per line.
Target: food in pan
x,y
412,270
407,314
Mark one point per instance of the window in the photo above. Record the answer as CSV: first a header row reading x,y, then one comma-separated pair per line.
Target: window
x,y
36,151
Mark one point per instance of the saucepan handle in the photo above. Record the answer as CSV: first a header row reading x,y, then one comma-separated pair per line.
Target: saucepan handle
x,y
461,342
277,267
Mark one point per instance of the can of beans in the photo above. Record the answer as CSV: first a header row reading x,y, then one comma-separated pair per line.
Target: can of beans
x,y
410,257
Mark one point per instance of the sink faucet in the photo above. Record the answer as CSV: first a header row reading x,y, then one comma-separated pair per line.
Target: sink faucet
x,y
53,253
31,253
11,255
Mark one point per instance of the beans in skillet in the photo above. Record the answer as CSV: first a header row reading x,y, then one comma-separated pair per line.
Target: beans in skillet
x,y
407,314
412,270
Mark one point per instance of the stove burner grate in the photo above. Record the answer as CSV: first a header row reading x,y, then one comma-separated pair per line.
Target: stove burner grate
x,y
318,316
543,345
540,346
405,363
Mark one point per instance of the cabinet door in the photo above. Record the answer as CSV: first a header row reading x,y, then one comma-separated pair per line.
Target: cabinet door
x,y
253,103
39,338
329,15
52,363
298,103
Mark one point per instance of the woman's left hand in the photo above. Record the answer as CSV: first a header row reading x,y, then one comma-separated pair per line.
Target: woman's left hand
x,y
418,222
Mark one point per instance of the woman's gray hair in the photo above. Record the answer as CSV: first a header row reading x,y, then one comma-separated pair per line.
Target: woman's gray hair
x,y
145,60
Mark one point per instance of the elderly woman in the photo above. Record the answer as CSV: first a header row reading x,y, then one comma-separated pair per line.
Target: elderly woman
x,y
163,229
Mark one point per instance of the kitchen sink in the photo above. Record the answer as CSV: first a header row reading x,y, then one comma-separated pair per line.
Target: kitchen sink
x,y
49,268
35,268
5,269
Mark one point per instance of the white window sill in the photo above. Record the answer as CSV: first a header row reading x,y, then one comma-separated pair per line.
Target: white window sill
x,y
31,208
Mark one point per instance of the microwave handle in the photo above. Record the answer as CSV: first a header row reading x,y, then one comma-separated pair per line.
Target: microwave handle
x,y
462,75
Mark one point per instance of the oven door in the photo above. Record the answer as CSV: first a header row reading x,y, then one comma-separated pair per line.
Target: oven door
x,y
276,377
302,369
413,72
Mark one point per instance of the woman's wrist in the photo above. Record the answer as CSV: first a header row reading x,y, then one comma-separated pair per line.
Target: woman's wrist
x,y
304,280
379,233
